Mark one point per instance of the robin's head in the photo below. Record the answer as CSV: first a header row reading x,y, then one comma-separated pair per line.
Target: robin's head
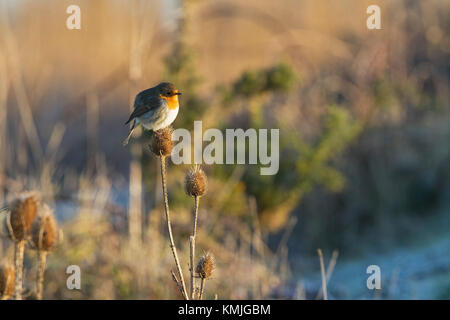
x,y
167,90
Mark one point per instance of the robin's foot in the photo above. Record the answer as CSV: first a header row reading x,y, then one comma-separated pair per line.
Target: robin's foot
x,y
157,133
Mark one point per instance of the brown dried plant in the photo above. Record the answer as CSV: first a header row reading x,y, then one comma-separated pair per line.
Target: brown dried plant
x,y
205,268
161,145
195,185
196,182
45,236
22,214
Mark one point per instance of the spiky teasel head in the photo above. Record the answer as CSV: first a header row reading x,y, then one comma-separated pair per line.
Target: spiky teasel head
x,y
23,212
45,233
6,281
206,266
162,144
196,182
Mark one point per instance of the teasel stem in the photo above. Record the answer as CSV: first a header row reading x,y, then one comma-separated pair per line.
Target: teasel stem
x,y
18,265
192,244
191,264
42,256
194,228
169,225
174,278
197,293
202,288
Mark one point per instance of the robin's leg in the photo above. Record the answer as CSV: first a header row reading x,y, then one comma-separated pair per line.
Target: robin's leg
x,y
125,142
157,133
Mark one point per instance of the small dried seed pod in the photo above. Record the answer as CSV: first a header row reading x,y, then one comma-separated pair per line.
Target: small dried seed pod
x,y
206,266
45,233
162,144
6,281
196,182
23,212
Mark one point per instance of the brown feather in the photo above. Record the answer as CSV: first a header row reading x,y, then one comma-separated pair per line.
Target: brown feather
x,y
143,104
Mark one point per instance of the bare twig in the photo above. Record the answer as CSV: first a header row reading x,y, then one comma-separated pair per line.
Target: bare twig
x,y
169,226
322,271
330,268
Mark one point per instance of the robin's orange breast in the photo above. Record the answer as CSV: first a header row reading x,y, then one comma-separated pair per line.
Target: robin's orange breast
x,y
172,102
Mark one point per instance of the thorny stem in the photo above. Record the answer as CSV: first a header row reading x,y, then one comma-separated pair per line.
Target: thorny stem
x,y
169,226
191,265
18,264
42,256
192,244
202,288
174,277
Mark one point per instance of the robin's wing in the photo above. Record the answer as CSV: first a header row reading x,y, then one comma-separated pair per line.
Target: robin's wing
x,y
143,104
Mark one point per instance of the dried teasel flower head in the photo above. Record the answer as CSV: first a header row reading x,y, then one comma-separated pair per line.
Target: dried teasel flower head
x,y
45,233
161,143
6,281
206,266
23,212
196,182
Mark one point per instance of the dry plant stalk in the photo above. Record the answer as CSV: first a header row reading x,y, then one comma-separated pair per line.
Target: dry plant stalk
x,y
23,212
6,282
45,236
195,185
161,145
191,264
42,260
322,272
205,268
329,271
19,250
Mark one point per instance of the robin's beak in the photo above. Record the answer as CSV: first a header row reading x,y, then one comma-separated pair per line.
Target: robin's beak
x,y
177,93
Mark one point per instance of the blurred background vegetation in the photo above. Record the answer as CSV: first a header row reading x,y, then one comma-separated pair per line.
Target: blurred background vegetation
x,y
364,125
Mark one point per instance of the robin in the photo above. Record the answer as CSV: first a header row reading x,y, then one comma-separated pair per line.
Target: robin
x,y
155,108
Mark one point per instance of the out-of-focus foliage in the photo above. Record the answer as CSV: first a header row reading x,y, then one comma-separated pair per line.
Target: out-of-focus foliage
x,y
280,77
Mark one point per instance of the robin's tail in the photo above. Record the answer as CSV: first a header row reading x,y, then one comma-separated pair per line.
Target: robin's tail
x,y
125,142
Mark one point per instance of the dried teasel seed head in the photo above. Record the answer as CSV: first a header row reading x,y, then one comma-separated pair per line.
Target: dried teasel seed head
x,y
162,144
6,281
23,212
196,182
206,266
45,234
